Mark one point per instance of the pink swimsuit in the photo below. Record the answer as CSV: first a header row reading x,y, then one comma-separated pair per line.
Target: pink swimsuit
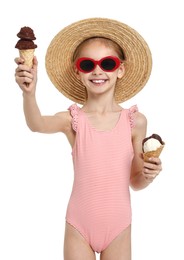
x,y
99,206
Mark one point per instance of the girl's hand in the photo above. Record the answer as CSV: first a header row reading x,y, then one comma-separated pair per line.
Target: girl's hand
x,y
25,77
152,169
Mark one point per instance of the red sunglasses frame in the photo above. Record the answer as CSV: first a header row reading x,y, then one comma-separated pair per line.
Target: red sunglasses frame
x,y
98,62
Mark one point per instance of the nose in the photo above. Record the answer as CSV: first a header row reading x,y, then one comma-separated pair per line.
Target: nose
x,y
97,70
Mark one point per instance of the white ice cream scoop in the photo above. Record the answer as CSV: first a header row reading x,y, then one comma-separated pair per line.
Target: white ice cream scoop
x,y
151,145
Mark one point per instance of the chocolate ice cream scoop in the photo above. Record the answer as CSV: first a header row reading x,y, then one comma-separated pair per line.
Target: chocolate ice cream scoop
x,y
26,33
25,45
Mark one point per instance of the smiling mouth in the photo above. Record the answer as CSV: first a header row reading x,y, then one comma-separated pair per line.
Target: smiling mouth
x,y
98,81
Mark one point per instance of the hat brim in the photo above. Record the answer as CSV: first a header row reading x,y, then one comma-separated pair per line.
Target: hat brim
x,y
59,57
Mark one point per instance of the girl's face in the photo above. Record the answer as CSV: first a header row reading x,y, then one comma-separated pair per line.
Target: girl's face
x,y
98,81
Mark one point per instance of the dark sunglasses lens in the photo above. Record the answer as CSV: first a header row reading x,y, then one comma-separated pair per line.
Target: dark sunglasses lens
x,y
108,64
87,65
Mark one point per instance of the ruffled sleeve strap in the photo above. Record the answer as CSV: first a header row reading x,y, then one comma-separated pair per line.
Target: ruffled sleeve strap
x,y
74,110
131,113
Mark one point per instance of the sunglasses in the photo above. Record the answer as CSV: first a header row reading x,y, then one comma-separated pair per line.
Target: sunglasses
x,y
109,64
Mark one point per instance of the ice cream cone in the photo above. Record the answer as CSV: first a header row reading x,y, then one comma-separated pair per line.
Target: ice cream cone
x,y
155,153
27,55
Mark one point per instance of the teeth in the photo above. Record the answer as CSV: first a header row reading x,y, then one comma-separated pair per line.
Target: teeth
x,y
98,81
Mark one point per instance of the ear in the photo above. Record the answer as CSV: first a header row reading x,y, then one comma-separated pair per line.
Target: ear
x,y
76,72
121,71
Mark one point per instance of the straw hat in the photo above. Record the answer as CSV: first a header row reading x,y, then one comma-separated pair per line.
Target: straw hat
x,y
59,57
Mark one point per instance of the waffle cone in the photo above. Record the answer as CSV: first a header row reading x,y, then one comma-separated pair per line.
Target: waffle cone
x,y
155,153
27,55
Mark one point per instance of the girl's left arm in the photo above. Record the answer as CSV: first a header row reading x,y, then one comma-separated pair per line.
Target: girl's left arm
x,y
142,173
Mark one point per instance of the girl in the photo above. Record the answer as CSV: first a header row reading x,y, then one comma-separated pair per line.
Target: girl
x,y
98,63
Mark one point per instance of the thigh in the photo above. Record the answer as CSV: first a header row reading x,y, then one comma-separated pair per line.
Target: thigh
x,y
120,247
75,245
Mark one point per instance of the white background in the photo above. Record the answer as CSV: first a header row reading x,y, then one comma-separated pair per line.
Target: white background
x,y
36,170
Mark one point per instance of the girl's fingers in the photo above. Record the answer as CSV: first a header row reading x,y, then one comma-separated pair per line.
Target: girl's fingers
x,y
19,60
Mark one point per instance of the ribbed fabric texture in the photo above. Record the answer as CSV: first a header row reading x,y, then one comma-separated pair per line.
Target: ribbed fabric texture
x,y
99,206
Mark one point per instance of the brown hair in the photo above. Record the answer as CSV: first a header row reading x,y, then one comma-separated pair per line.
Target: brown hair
x,y
107,42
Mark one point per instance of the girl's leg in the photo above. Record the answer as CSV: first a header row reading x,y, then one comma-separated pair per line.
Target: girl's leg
x,y
120,247
75,246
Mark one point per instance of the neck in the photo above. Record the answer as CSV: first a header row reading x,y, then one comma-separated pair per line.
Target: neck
x,y
101,104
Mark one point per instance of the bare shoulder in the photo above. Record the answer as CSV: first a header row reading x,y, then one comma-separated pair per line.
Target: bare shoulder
x,y
140,126
64,115
140,120
65,118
